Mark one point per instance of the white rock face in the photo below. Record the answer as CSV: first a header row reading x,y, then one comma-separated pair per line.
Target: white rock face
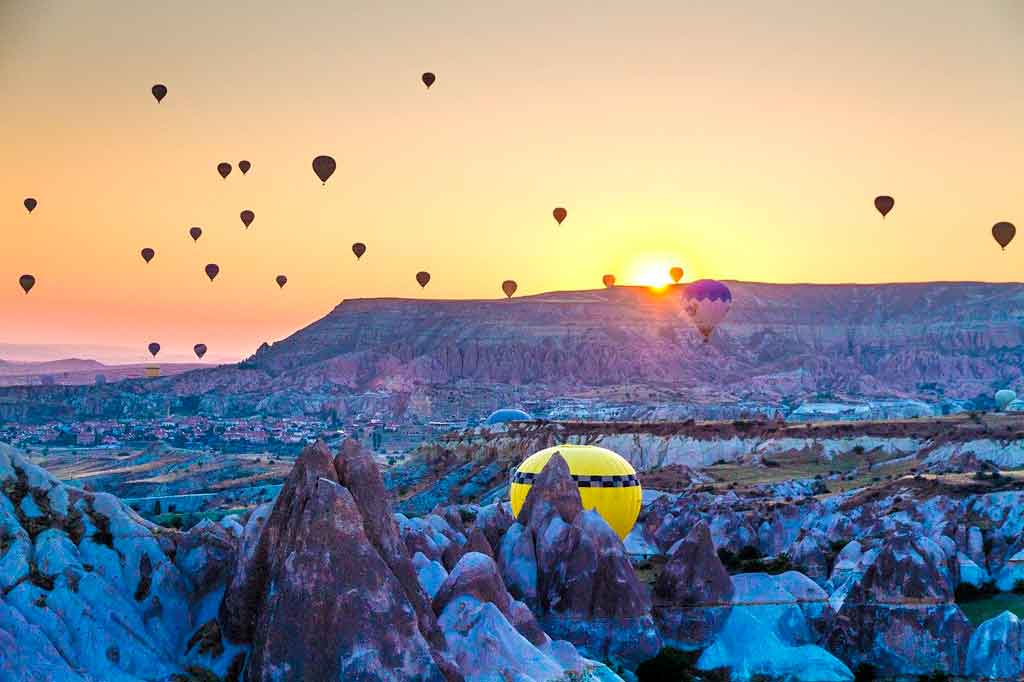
x,y
1005,454
995,649
431,574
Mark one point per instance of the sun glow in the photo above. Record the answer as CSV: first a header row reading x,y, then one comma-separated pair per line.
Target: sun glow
x,y
653,273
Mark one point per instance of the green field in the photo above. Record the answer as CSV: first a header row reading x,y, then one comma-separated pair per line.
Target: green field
x,y
980,610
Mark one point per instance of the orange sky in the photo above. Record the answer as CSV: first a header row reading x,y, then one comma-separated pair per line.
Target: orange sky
x,y
742,141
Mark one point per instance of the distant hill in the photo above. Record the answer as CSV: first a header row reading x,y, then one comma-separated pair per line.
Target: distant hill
x,y
76,371
444,358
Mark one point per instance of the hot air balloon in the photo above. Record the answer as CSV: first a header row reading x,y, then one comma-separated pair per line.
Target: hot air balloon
x,y
559,214
608,280
154,348
324,167
509,287
423,278
606,482
884,204
706,302
244,166
159,91
27,282
1004,398
1003,233
30,204
195,233
281,280
428,79
224,169
676,274
147,254
247,217
200,350
359,249
212,270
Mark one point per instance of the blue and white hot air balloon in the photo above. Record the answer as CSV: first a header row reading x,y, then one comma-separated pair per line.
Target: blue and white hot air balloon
x,y
706,302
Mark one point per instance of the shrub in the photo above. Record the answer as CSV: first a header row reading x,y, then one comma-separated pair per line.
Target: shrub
x,y
1018,586
966,592
864,673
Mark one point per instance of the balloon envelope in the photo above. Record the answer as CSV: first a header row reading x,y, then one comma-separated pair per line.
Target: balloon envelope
x,y
359,249
428,79
608,280
212,270
605,480
195,233
244,166
224,169
676,274
281,280
200,350
559,214
1004,398
159,91
423,278
509,287
247,217
1003,233
884,204
30,204
324,167
154,348
27,282
706,302
147,254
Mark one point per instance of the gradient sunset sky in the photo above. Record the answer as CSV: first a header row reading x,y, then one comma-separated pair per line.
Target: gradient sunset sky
x,y
741,140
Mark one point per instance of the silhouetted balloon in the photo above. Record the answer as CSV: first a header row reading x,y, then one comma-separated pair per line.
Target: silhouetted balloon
x,y
676,274
706,303
224,169
247,217
154,348
509,287
884,204
608,280
1003,233
359,249
147,254
281,280
559,214
423,278
244,166
195,233
27,282
159,91
324,167
212,270
200,350
428,79
30,204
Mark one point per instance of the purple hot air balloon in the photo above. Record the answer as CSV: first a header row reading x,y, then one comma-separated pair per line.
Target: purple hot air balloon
x,y
706,302
195,233
154,348
212,270
247,217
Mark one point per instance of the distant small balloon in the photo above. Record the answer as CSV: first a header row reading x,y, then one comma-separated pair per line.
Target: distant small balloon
x,y
147,254
559,214
30,204
423,278
195,233
884,204
212,270
247,217
281,280
244,166
27,282
1003,233
324,167
428,79
200,350
224,169
359,249
159,91
676,274
154,348
608,280
509,287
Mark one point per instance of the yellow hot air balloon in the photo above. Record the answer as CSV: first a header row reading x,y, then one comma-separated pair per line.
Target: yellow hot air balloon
x,y
606,481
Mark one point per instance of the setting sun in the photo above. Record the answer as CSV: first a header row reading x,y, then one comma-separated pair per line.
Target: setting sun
x,y
653,272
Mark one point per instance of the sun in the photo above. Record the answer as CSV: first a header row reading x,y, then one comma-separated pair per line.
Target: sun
x,y
653,273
